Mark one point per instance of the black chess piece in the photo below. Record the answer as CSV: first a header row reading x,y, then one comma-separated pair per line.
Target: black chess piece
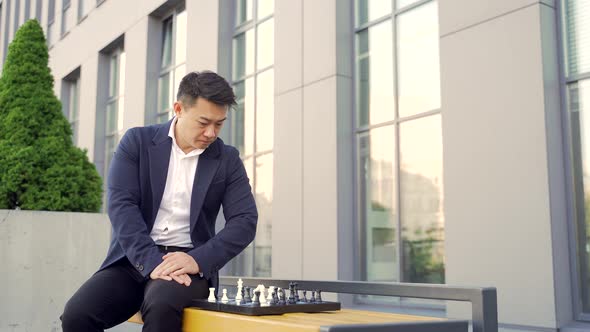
x,y
318,297
281,296
312,300
256,298
291,293
247,296
274,299
296,292
304,299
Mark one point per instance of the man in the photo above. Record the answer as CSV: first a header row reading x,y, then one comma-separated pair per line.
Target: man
x,y
165,187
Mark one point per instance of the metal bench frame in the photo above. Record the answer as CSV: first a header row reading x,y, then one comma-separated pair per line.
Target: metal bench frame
x,y
484,306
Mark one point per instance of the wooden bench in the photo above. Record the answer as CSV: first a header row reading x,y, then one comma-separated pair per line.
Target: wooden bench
x,y
483,300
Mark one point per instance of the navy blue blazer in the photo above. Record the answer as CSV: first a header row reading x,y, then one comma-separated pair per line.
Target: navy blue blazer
x,y
137,177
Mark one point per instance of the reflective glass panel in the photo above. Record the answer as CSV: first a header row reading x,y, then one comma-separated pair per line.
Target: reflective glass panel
x,y
378,211
180,46
243,118
579,109
421,197
243,11
266,44
265,111
112,118
263,192
577,30
418,60
164,93
402,3
179,73
369,10
375,90
243,53
167,43
114,76
265,8
121,81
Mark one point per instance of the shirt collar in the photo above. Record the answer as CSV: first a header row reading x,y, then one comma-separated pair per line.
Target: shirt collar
x,y
175,146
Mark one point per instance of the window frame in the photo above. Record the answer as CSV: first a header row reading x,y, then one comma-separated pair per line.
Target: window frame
x,y
572,183
361,272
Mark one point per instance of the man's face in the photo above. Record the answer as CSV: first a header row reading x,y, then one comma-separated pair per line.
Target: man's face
x,y
198,125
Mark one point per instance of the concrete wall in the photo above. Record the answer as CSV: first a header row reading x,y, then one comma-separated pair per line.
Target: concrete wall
x,y
45,257
503,160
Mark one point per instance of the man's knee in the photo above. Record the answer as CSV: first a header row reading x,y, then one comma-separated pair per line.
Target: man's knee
x,y
160,308
75,318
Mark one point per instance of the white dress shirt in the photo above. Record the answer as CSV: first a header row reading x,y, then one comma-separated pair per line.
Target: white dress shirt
x,y
172,225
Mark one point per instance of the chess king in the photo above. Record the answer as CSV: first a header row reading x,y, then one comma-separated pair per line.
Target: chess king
x,y
166,184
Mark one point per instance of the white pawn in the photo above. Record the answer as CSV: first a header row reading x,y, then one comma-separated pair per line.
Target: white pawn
x,y
224,297
211,295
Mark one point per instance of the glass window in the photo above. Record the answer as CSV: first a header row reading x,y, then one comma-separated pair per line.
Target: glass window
x,y
577,31
403,3
369,10
399,173
115,110
576,48
243,11
68,18
418,70
375,98
378,208
71,101
421,198
579,109
84,7
252,123
172,64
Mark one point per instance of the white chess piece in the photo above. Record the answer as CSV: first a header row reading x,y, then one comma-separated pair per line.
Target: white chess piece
x,y
224,297
211,295
262,296
270,290
239,295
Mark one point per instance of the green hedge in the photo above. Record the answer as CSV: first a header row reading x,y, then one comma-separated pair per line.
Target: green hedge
x,y
40,168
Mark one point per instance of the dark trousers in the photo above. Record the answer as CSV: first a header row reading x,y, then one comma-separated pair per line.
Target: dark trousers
x,y
113,295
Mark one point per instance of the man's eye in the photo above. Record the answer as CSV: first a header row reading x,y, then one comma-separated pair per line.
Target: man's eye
x,y
218,124
202,124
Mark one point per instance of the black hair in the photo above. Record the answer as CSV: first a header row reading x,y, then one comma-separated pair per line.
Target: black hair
x,y
207,85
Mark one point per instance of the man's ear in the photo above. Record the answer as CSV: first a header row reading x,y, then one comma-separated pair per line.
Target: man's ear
x,y
177,108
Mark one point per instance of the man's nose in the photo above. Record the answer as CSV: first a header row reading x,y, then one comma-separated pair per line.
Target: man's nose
x,y
210,132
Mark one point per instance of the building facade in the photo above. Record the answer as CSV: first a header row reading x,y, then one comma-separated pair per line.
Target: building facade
x,y
431,141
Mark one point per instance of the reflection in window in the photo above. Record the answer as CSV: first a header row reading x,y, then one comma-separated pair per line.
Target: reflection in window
x,y
577,68
84,7
52,32
252,128
114,127
71,101
67,18
421,200
402,235
172,63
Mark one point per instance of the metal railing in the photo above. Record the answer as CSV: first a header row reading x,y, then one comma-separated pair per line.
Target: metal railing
x,y
484,306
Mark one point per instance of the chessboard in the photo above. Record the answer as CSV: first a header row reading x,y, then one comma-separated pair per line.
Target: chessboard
x,y
250,309
257,303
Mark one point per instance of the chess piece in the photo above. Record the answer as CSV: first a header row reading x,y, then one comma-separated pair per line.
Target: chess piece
x,y
296,292
274,299
239,295
224,297
312,300
247,296
318,297
262,298
291,293
304,299
256,300
211,295
281,296
270,290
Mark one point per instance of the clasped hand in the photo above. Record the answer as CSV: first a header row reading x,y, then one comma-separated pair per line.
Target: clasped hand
x,y
177,266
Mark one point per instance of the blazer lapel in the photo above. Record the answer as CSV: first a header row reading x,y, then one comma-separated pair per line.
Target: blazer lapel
x,y
206,169
159,158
